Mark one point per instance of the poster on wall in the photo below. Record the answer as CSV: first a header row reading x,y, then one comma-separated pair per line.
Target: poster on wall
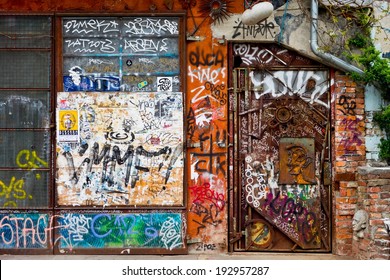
x,y
68,126
129,153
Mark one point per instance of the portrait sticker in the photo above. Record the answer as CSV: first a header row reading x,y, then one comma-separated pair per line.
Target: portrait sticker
x,y
68,126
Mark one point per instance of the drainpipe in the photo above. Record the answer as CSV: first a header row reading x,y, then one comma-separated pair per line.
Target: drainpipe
x,y
345,66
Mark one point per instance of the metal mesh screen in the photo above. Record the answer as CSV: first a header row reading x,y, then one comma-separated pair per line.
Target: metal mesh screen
x,y
24,69
24,189
25,138
26,109
25,32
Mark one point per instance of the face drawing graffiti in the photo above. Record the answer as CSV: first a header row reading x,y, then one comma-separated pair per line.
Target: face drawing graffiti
x,y
297,161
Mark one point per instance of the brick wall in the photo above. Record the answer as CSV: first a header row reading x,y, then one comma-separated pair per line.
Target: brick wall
x,y
349,153
373,196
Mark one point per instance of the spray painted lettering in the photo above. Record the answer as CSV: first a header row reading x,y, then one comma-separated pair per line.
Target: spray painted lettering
x,y
294,215
89,230
131,155
149,26
202,58
124,230
263,29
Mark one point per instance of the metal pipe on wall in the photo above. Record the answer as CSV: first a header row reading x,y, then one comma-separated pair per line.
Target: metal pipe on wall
x,y
343,65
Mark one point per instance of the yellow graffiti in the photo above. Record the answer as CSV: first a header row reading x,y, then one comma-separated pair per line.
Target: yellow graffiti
x,y
29,159
10,204
15,188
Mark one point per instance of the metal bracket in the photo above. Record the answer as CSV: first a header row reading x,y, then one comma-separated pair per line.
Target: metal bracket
x,y
195,38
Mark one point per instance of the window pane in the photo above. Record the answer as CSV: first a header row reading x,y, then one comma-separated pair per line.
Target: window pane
x,y
24,69
25,149
24,189
25,32
24,109
126,54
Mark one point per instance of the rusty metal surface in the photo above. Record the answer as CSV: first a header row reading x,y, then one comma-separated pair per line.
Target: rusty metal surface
x,y
296,161
280,118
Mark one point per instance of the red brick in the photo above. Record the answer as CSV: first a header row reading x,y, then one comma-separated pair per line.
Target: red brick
x,y
343,250
375,215
378,208
383,202
344,224
373,195
351,192
379,256
364,243
350,84
385,244
344,217
343,200
385,195
359,111
374,189
378,182
343,184
343,235
345,212
350,90
347,231
372,176
352,184
340,163
377,222
362,183
343,192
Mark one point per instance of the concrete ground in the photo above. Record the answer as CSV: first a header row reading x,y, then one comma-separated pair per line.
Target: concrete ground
x,y
235,256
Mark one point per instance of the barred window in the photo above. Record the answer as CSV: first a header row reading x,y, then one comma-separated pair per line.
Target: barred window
x,y
25,106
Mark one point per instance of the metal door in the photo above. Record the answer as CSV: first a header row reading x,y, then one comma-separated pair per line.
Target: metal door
x,y
279,152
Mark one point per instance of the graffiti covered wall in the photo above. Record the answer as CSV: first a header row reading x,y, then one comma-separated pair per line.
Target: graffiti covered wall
x,y
143,120
129,150
104,233
206,143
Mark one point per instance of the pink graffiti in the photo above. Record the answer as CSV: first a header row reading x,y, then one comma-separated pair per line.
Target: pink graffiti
x,y
351,138
24,229
205,193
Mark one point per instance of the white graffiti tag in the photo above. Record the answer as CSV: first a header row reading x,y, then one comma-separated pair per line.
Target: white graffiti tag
x,y
309,85
170,234
78,225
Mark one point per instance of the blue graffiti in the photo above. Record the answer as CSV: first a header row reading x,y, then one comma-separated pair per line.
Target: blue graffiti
x,y
91,83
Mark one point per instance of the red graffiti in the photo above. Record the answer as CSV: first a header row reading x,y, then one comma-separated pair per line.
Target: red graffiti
x,y
205,193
